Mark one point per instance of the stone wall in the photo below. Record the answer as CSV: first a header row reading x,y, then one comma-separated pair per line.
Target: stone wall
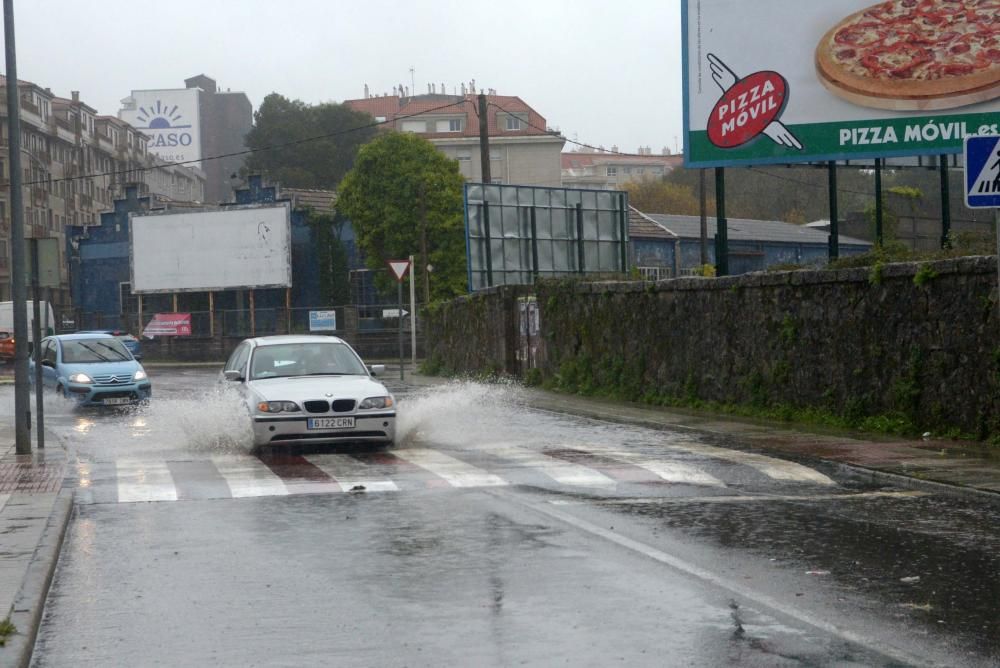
x,y
917,341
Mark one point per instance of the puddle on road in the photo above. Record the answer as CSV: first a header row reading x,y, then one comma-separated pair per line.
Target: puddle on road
x,y
211,420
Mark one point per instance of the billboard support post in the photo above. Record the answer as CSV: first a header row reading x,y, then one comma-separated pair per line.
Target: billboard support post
x,y
722,233
580,259
623,231
878,203
945,203
253,316
834,214
288,310
211,314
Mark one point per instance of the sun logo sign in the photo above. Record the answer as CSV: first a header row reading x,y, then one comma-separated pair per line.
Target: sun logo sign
x,y
165,124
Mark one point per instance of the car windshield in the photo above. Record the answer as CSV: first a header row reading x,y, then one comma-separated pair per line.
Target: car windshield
x,y
305,359
85,351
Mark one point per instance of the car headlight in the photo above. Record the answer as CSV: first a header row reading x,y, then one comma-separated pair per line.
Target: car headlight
x,y
376,402
80,378
140,375
278,407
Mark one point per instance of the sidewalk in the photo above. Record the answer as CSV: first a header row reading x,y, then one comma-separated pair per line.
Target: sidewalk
x,y
34,514
966,467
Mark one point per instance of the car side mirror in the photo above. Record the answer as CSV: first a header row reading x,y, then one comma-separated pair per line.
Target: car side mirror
x,y
49,363
377,369
232,374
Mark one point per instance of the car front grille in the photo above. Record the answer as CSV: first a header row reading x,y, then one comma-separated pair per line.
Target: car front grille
x,y
317,406
113,379
343,405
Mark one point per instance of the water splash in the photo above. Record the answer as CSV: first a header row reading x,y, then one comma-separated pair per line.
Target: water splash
x,y
457,411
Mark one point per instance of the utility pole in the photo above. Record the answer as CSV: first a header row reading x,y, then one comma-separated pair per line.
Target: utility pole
x,y
22,391
484,139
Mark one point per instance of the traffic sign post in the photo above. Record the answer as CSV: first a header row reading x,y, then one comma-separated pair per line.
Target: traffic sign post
x,y
982,181
399,268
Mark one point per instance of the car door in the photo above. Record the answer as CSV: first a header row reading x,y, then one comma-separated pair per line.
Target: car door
x,y
50,377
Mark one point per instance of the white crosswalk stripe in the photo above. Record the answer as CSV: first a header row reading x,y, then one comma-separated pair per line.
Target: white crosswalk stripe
x,y
247,476
777,469
455,471
140,480
566,473
350,473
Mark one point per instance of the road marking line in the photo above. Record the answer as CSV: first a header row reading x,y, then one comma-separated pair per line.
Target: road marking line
x,y
455,471
675,472
247,476
349,473
563,472
678,564
4,498
778,469
140,480
748,499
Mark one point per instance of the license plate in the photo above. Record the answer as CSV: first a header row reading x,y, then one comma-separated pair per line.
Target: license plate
x,y
116,401
331,423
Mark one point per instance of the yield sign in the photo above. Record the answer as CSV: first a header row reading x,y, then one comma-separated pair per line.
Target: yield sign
x,y
399,268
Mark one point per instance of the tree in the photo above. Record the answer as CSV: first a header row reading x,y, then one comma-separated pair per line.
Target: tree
x,y
321,163
658,196
404,197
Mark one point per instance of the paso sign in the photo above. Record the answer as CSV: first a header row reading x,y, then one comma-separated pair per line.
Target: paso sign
x,y
168,324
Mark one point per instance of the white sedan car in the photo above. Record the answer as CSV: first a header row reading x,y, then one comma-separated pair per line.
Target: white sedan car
x,y
311,389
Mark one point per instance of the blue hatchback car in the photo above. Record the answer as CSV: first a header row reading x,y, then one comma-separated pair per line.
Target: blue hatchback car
x,y
93,369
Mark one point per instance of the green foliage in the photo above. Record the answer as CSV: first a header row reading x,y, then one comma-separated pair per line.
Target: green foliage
x,y
706,270
907,192
659,196
789,331
7,629
404,197
924,276
875,275
319,163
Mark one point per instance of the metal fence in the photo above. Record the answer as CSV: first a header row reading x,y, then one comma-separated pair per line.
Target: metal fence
x,y
372,330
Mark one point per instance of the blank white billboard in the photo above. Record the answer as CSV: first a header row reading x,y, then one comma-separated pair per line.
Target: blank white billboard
x,y
247,247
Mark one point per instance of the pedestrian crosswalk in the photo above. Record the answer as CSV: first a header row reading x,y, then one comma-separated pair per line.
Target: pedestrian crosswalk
x,y
591,468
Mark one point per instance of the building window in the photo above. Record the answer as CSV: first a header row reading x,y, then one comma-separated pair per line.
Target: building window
x,y
414,126
498,182
612,171
495,154
464,156
453,125
513,123
628,170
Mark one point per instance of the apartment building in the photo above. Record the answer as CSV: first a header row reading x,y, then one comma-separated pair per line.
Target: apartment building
x,y
610,170
75,163
523,151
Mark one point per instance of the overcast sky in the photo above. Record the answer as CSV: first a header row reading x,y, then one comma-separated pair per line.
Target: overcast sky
x,y
605,73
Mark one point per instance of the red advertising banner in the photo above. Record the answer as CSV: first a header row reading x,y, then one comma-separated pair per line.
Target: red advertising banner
x,y
168,324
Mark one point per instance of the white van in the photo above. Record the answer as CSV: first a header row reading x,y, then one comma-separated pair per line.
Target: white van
x,y
47,324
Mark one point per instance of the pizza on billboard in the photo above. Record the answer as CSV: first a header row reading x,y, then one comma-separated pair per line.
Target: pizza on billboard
x,y
914,55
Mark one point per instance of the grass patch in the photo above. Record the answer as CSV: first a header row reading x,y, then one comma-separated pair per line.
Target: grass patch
x,y
7,629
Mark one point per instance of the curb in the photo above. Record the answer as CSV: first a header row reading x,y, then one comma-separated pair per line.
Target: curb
x,y
899,479
30,601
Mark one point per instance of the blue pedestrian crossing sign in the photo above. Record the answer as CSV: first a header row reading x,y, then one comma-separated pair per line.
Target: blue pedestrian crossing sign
x,y
982,172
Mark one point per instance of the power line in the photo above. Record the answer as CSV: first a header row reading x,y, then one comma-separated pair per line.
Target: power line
x,y
273,147
555,133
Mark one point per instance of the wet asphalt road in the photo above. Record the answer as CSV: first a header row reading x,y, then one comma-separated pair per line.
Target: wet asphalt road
x,y
495,535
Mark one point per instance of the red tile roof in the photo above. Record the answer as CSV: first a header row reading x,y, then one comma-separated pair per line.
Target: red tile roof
x,y
397,108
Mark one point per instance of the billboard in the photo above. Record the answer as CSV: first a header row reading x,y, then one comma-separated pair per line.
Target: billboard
x,y
171,118
514,233
235,248
783,81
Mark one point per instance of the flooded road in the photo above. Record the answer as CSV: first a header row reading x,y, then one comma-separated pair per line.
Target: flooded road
x,y
497,534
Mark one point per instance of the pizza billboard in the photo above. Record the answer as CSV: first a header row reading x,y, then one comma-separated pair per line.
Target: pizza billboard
x,y
784,81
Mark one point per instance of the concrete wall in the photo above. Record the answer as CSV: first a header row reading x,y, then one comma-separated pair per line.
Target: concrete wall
x,y
914,341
